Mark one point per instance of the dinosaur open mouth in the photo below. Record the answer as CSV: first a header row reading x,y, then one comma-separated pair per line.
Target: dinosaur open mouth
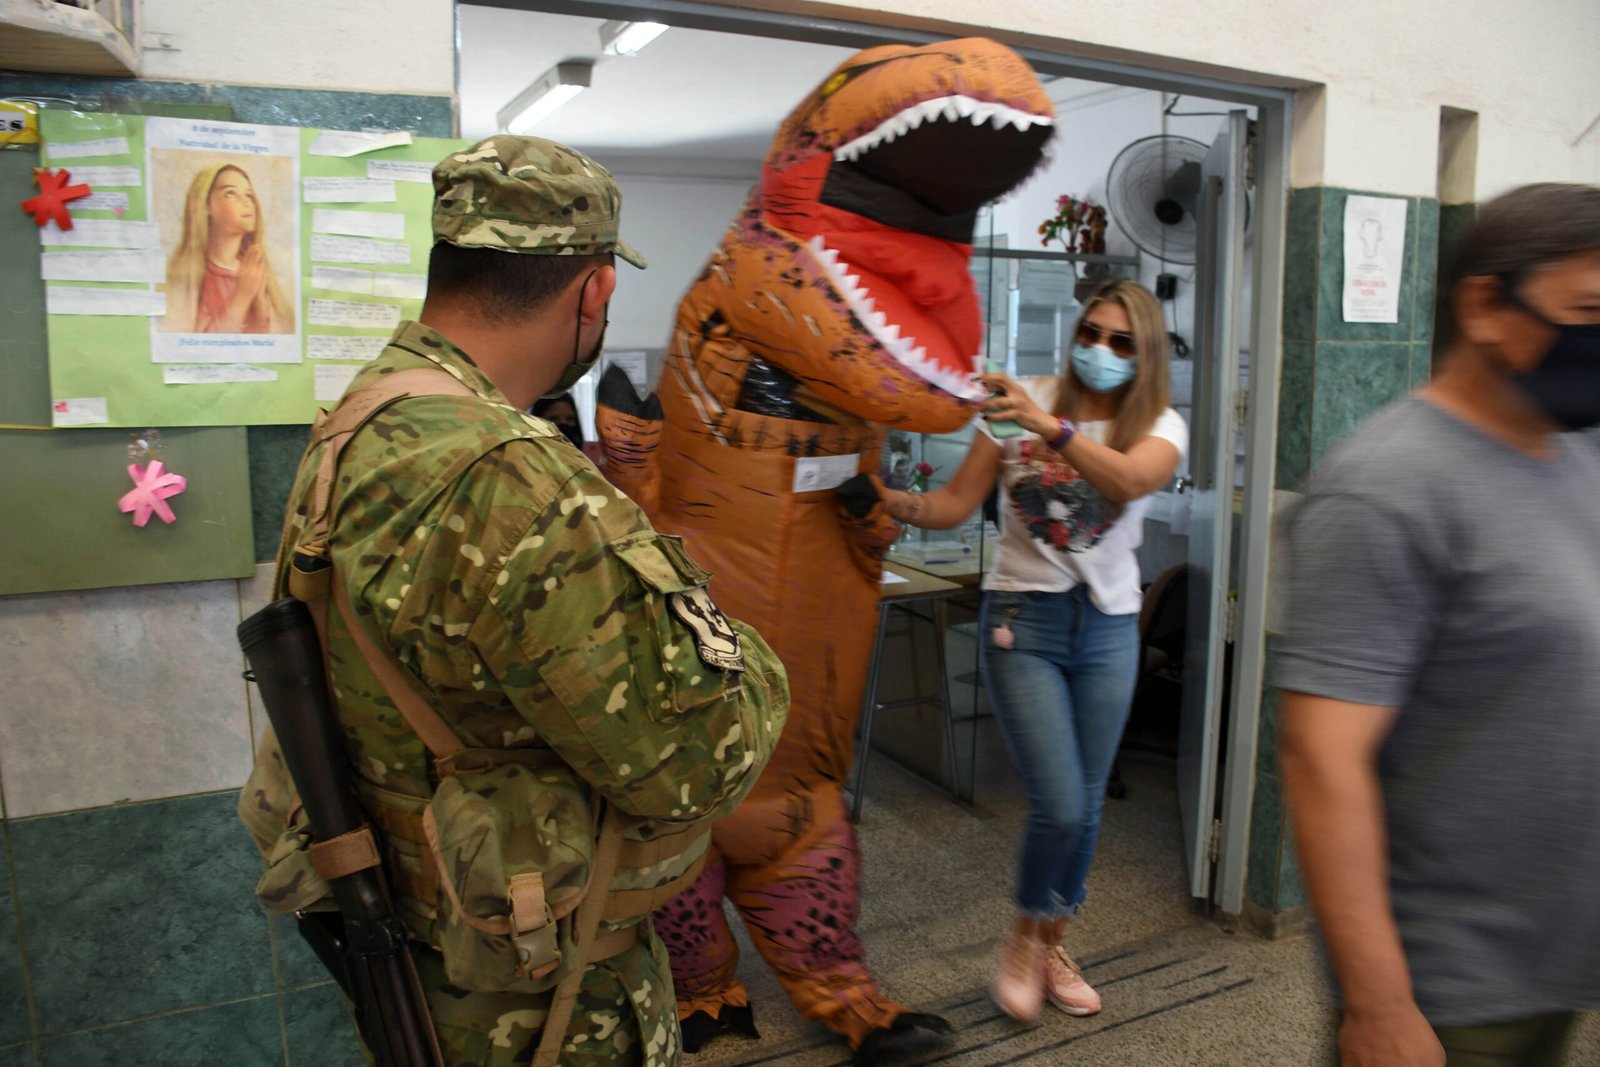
x,y
949,154
896,323
917,180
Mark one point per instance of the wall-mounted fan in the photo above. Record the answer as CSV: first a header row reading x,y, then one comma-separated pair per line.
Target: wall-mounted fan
x,y
1151,192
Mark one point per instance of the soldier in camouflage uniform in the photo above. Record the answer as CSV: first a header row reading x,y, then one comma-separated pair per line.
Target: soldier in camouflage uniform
x,y
530,601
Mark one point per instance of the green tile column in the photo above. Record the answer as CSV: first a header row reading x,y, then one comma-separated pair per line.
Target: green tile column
x,y
1335,375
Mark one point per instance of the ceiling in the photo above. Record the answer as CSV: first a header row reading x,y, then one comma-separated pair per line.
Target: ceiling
x,y
691,93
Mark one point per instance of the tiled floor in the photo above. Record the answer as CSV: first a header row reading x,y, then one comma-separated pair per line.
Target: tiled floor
x,y
1178,988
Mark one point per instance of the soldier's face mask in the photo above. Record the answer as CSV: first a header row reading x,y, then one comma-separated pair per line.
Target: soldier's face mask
x,y
579,367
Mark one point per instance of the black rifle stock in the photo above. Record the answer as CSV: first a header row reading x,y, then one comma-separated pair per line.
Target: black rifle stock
x,y
280,642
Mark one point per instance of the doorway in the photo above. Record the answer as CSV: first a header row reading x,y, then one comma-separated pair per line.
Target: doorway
x,y
685,167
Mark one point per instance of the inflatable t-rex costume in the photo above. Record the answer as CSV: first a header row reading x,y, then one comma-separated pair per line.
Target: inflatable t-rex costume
x,y
839,304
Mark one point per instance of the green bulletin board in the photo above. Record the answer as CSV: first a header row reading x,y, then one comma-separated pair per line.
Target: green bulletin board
x,y
349,258
60,489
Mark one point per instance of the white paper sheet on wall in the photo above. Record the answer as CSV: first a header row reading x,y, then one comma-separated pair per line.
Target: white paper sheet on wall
x,y
350,143
348,191
332,380
351,313
390,224
342,280
125,177
73,300
102,146
142,266
320,346
1374,255
399,286
103,233
79,411
215,373
326,248
400,170
98,201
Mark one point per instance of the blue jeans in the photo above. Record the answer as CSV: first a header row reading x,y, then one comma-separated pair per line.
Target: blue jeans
x,y
1061,694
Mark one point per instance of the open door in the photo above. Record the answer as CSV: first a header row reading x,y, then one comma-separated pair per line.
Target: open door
x,y
1219,286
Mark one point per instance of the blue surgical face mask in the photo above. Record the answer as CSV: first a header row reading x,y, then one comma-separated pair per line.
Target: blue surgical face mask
x,y
1101,369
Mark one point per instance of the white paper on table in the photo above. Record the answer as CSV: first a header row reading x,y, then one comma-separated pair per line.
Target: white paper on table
x,y
102,146
351,313
73,300
80,411
332,380
342,280
215,373
142,266
117,202
824,472
401,286
391,224
890,578
1374,254
103,233
321,346
359,250
127,177
353,143
348,191
400,170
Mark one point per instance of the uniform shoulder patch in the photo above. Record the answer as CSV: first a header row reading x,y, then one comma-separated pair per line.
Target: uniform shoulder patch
x,y
714,637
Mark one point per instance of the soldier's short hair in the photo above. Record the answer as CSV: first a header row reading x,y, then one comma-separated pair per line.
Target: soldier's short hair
x,y
502,288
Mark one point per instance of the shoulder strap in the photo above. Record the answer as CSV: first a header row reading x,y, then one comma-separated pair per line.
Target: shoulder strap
x,y
311,576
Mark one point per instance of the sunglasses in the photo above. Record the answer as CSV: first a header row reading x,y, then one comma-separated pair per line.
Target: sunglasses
x,y
1120,343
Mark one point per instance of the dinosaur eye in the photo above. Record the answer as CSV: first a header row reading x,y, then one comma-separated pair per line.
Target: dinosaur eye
x,y
834,84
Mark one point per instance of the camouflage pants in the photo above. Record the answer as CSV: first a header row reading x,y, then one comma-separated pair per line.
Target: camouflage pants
x,y
626,1016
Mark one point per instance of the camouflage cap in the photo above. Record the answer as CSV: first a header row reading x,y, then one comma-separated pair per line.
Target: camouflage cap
x,y
527,194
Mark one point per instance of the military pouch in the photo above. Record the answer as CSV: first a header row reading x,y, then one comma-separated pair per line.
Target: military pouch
x,y
270,807
514,846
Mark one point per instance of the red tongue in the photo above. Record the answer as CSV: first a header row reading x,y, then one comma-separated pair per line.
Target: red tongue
x,y
928,273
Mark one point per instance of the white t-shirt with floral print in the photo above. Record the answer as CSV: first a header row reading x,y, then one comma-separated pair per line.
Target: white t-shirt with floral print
x,y
1056,531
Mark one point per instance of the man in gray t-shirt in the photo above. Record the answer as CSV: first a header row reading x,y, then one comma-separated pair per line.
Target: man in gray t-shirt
x,y
1441,669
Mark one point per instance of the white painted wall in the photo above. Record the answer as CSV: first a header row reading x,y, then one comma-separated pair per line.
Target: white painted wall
x,y
385,46
1529,71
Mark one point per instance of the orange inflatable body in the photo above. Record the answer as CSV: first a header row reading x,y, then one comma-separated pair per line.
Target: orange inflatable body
x,y
839,304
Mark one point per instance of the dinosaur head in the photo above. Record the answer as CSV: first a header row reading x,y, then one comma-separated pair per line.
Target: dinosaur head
x,y
868,200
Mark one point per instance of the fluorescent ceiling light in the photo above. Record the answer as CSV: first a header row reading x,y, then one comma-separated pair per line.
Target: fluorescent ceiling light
x,y
554,87
628,38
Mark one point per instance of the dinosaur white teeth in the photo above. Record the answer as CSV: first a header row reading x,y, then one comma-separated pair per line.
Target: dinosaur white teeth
x,y
965,105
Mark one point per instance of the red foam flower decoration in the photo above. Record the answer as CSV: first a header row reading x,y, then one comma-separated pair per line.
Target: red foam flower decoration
x,y
54,195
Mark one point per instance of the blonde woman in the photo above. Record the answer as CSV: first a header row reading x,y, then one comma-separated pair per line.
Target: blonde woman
x,y
1060,610
219,279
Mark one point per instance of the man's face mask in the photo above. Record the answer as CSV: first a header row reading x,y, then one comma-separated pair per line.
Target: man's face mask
x,y
579,367
1565,386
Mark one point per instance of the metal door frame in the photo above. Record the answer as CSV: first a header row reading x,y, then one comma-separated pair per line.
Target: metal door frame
x,y
1274,104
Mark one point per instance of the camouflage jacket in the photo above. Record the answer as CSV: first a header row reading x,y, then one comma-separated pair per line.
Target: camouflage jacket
x,y
534,603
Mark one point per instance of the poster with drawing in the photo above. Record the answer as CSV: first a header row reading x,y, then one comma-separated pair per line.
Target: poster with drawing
x,y
225,273
1374,255
223,196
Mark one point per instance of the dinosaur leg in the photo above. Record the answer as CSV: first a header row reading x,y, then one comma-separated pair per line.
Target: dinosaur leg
x,y
800,908
700,945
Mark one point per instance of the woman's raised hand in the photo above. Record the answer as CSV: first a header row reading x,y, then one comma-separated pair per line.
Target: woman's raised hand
x,y
1012,402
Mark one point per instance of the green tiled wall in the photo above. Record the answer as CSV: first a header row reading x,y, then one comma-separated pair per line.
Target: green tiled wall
x,y
1335,374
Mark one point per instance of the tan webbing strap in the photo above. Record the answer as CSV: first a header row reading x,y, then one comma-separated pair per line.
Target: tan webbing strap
x,y
345,854
482,759
419,715
660,848
585,927
624,903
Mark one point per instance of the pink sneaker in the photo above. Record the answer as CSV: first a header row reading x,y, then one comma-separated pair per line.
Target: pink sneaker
x,y
1064,984
1019,977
